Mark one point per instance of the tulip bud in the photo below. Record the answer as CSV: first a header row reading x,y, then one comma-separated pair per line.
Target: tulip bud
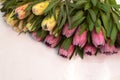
x,y
66,53
37,38
118,38
108,49
52,41
30,26
98,38
39,8
68,32
80,39
10,20
20,12
90,50
49,22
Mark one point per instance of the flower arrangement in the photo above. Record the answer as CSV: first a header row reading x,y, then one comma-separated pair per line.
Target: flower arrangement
x,y
74,26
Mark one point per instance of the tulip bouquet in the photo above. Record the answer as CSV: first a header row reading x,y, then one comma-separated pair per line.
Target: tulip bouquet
x,y
73,26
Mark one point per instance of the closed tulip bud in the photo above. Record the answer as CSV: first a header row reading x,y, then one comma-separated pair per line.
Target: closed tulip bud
x,y
20,12
118,38
9,19
30,26
66,53
68,32
16,29
98,38
37,38
108,49
49,22
90,50
39,8
80,39
51,41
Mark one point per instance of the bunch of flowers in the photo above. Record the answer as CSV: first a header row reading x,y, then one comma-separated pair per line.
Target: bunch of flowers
x,y
73,26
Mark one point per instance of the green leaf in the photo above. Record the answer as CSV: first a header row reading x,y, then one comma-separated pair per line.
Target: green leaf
x,y
80,52
63,20
98,25
90,23
83,27
104,7
78,15
104,20
104,33
116,20
77,23
81,2
87,6
94,2
113,2
66,44
113,34
68,11
51,5
92,14
109,30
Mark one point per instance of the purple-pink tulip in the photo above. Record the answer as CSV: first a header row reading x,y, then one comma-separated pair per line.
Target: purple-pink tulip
x,y
108,49
66,53
90,50
98,39
51,41
80,39
37,38
68,32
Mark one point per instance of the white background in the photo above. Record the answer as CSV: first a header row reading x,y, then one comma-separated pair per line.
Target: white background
x,y
22,58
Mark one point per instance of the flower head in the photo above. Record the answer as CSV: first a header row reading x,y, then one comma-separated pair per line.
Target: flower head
x,y
89,49
66,53
68,32
80,39
108,49
37,38
10,20
49,22
98,39
51,41
38,9
20,11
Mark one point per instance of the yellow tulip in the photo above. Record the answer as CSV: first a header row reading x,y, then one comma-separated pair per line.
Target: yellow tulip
x,y
30,26
49,22
10,20
38,9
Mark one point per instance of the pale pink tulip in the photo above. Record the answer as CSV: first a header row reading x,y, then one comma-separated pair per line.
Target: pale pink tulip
x,y
108,49
66,53
98,39
68,32
51,41
80,39
89,49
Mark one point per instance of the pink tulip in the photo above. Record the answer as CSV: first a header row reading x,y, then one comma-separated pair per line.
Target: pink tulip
x,y
51,41
108,49
98,39
90,50
66,53
37,38
68,32
80,40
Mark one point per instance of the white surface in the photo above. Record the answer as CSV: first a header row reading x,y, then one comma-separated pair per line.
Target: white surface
x,y
22,58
